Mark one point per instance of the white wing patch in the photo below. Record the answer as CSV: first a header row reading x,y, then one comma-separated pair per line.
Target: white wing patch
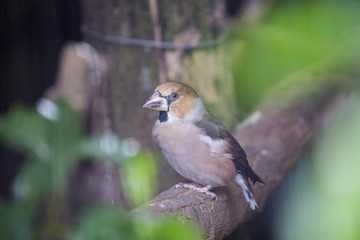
x,y
215,146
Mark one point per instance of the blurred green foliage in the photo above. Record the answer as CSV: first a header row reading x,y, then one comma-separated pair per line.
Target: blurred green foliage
x,y
52,146
326,203
293,36
139,187
300,42
111,223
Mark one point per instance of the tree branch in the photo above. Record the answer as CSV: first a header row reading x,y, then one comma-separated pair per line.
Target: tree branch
x,y
273,136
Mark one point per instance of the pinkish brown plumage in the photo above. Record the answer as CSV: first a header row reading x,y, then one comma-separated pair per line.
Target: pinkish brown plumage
x,y
197,145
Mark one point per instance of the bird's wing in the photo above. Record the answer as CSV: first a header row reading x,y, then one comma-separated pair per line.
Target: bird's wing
x,y
212,127
240,160
215,132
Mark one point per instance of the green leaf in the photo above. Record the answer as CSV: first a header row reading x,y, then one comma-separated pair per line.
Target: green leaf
x,y
25,130
104,223
65,134
139,178
327,204
35,179
165,228
107,146
16,221
289,39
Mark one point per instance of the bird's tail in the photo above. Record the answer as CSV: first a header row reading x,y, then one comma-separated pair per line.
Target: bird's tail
x,y
249,197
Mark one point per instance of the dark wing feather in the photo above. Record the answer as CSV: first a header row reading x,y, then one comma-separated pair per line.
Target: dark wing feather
x,y
240,160
215,130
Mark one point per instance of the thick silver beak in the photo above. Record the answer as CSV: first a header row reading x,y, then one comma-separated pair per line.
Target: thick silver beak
x,y
156,102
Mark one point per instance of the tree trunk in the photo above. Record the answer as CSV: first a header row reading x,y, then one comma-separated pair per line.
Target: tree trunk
x,y
136,68
147,42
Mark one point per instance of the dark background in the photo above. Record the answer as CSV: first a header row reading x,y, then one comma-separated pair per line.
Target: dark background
x,y
32,35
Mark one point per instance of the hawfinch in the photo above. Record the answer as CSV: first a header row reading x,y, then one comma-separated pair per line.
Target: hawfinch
x,y
196,144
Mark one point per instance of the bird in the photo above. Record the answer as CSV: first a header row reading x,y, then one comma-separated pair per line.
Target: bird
x,y
197,145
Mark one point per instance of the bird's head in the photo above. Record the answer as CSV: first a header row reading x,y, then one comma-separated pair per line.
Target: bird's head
x,y
175,100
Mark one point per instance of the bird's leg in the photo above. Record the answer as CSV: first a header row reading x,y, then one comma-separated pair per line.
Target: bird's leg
x,y
197,188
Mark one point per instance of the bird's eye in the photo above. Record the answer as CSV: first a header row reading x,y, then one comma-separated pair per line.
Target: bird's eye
x,y
174,96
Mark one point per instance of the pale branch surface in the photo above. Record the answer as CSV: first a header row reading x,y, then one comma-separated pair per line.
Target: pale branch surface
x,y
273,136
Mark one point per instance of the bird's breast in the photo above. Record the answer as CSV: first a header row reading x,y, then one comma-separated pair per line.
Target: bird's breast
x,y
184,147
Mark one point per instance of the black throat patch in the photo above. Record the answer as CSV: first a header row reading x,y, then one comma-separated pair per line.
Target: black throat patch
x,y
163,116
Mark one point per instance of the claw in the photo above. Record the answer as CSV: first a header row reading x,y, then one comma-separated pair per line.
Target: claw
x,y
197,188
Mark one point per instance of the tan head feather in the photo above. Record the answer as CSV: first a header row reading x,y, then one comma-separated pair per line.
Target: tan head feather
x,y
186,101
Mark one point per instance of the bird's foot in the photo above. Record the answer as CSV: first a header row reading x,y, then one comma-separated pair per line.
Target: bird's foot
x,y
183,185
197,188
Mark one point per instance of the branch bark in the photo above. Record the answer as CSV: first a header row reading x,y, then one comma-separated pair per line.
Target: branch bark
x,y
273,136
